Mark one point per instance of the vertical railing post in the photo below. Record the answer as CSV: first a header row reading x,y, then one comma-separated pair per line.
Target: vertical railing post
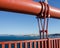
x,y
46,44
25,44
30,44
42,44
9,45
3,45
54,44
38,44
34,44
59,43
49,43
15,45
20,44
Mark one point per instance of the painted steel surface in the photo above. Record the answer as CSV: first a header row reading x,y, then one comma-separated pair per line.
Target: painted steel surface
x,y
28,7
42,43
20,6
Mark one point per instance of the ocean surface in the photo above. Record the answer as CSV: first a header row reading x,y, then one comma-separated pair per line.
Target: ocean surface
x,y
24,37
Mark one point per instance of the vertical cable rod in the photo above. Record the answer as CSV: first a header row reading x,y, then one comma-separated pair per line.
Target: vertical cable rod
x,y
43,19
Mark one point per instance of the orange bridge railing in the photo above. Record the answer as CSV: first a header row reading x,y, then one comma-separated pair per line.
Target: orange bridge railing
x,y
42,43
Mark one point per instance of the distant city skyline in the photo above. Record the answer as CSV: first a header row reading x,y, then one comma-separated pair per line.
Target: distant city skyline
x,y
23,24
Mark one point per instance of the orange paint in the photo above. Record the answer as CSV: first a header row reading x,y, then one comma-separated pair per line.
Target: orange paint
x,y
27,6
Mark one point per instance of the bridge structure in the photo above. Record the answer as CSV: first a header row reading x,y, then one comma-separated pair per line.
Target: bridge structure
x,y
43,12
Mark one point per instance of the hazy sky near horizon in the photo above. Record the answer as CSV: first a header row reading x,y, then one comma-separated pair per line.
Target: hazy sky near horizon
x,y
22,24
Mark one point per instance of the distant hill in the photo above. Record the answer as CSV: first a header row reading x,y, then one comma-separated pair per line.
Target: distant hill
x,y
25,37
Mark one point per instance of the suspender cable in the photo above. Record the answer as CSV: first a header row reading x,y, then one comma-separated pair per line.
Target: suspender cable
x,y
43,22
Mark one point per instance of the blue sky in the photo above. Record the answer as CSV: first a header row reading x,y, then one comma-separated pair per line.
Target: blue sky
x,y
23,24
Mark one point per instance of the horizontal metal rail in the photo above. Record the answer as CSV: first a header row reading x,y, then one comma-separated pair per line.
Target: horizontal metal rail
x,y
28,7
42,43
